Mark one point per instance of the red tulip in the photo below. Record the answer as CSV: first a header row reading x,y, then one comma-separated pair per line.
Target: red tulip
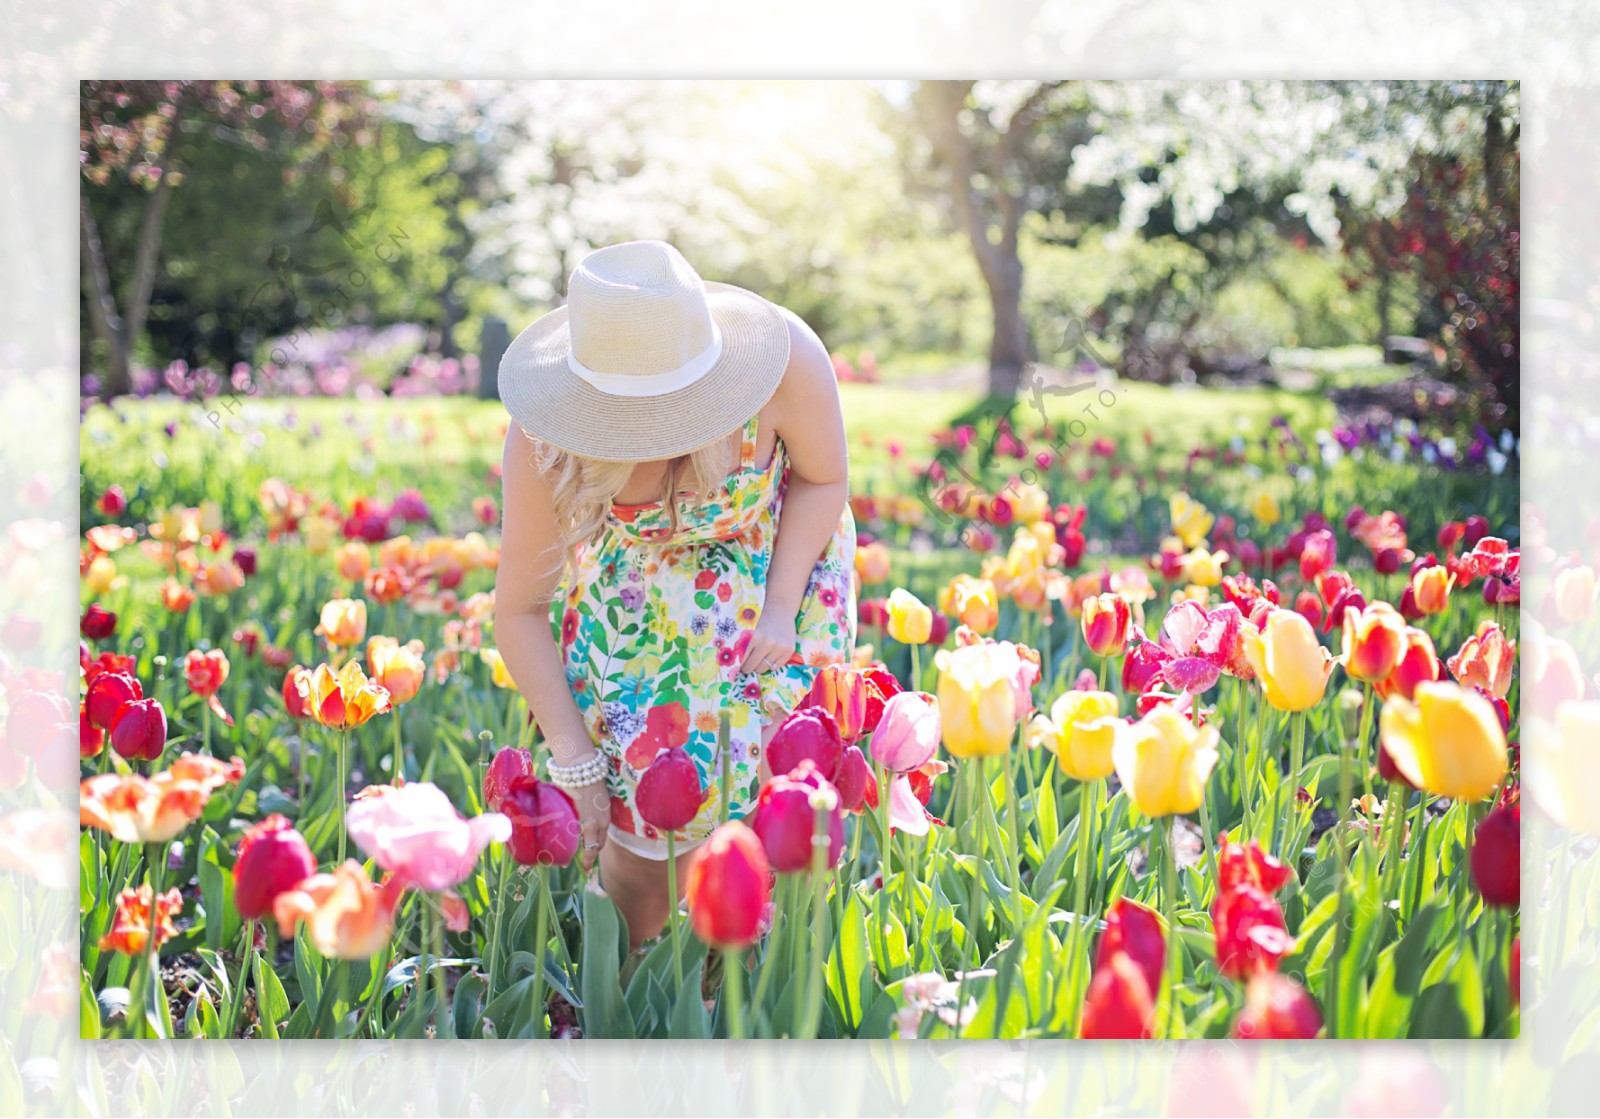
x,y
1120,1005
91,739
1134,931
273,858
670,793
1277,1009
729,887
855,778
107,694
97,623
1250,932
1350,598
1309,606
1451,534
1142,666
1497,858
245,560
113,502
940,631
1317,554
784,820
808,732
1474,530
508,764
881,688
545,829
292,699
1240,864
140,732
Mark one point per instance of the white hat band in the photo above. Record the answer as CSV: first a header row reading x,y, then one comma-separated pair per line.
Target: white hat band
x,y
652,384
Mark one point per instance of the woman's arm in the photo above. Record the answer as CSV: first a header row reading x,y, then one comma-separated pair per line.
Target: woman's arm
x,y
806,414
525,582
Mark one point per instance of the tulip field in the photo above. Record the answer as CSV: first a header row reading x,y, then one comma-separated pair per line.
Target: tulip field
x,y
1200,723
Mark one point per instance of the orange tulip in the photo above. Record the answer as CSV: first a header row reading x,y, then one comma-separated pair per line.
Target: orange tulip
x,y
397,668
343,699
1430,589
843,693
176,597
872,563
1418,664
1485,660
347,916
353,561
130,927
138,809
221,577
344,621
205,672
1374,639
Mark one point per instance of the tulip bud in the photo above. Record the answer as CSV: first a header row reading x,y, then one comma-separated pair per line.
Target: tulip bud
x,y
97,623
273,858
113,501
545,828
1277,1008
908,733
910,621
855,777
107,694
1120,1005
1349,703
508,764
808,732
140,732
670,793
784,821
1497,858
728,888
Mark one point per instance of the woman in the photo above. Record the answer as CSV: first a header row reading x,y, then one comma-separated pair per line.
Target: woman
x,y
650,382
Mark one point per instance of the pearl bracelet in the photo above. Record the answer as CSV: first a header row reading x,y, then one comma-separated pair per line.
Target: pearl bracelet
x,y
590,771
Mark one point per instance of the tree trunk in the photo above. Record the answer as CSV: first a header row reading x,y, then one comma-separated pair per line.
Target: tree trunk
x,y
103,317
1010,349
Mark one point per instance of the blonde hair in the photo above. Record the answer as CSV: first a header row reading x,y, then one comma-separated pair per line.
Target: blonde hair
x,y
583,488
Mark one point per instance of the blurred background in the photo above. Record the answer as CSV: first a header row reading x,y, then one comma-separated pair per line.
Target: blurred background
x,y
1346,242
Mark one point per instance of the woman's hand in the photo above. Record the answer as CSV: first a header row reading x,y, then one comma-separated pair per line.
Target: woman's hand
x,y
772,642
594,816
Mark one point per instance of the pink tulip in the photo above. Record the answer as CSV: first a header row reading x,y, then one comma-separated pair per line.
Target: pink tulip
x,y
909,732
784,820
416,834
808,732
854,777
508,763
545,828
669,793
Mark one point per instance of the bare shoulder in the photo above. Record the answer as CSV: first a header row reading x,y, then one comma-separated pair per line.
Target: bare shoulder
x,y
519,471
809,377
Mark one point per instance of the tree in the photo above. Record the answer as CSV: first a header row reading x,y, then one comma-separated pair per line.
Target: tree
x,y
135,132
1004,148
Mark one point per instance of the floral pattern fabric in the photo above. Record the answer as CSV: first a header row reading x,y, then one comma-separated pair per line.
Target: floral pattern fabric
x,y
655,624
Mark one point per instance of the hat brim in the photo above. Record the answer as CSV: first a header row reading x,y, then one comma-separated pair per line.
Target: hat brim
x,y
553,404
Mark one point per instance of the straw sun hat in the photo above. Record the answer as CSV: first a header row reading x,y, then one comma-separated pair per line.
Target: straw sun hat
x,y
645,360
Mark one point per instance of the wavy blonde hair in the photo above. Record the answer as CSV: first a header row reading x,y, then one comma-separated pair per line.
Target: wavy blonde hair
x,y
583,488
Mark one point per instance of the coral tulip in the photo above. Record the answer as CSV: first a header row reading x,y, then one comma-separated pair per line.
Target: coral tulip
x,y
346,915
728,888
872,563
974,602
545,828
1418,664
140,731
1430,590
273,858
1497,858
137,809
1105,621
910,622
1448,740
908,733
1485,660
1289,660
507,764
1082,729
1317,554
807,732
1572,593
1163,761
397,668
416,834
1374,639
1277,1008
293,697
669,794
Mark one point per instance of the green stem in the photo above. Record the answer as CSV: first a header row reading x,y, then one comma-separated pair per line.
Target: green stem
x,y
1080,891
732,984
812,1017
343,783
155,859
1241,778
399,773
1296,757
916,668
1208,843
1394,824
246,947
541,934
502,883
879,902
1341,834
672,911
1014,855
1169,901
441,1026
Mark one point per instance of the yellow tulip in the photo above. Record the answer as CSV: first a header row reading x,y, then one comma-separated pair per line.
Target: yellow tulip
x,y
1025,554
1446,739
1573,592
499,675
975,602
1163,761
342,699
1560,766
1190,520
398,668
101,574
1265,508
1289,660
977,699
1083,730
1203,568
317,532
1030,503
910,621
1430,589
344,621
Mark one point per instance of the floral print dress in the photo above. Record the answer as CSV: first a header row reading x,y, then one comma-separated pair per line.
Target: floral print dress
x,y
656,623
